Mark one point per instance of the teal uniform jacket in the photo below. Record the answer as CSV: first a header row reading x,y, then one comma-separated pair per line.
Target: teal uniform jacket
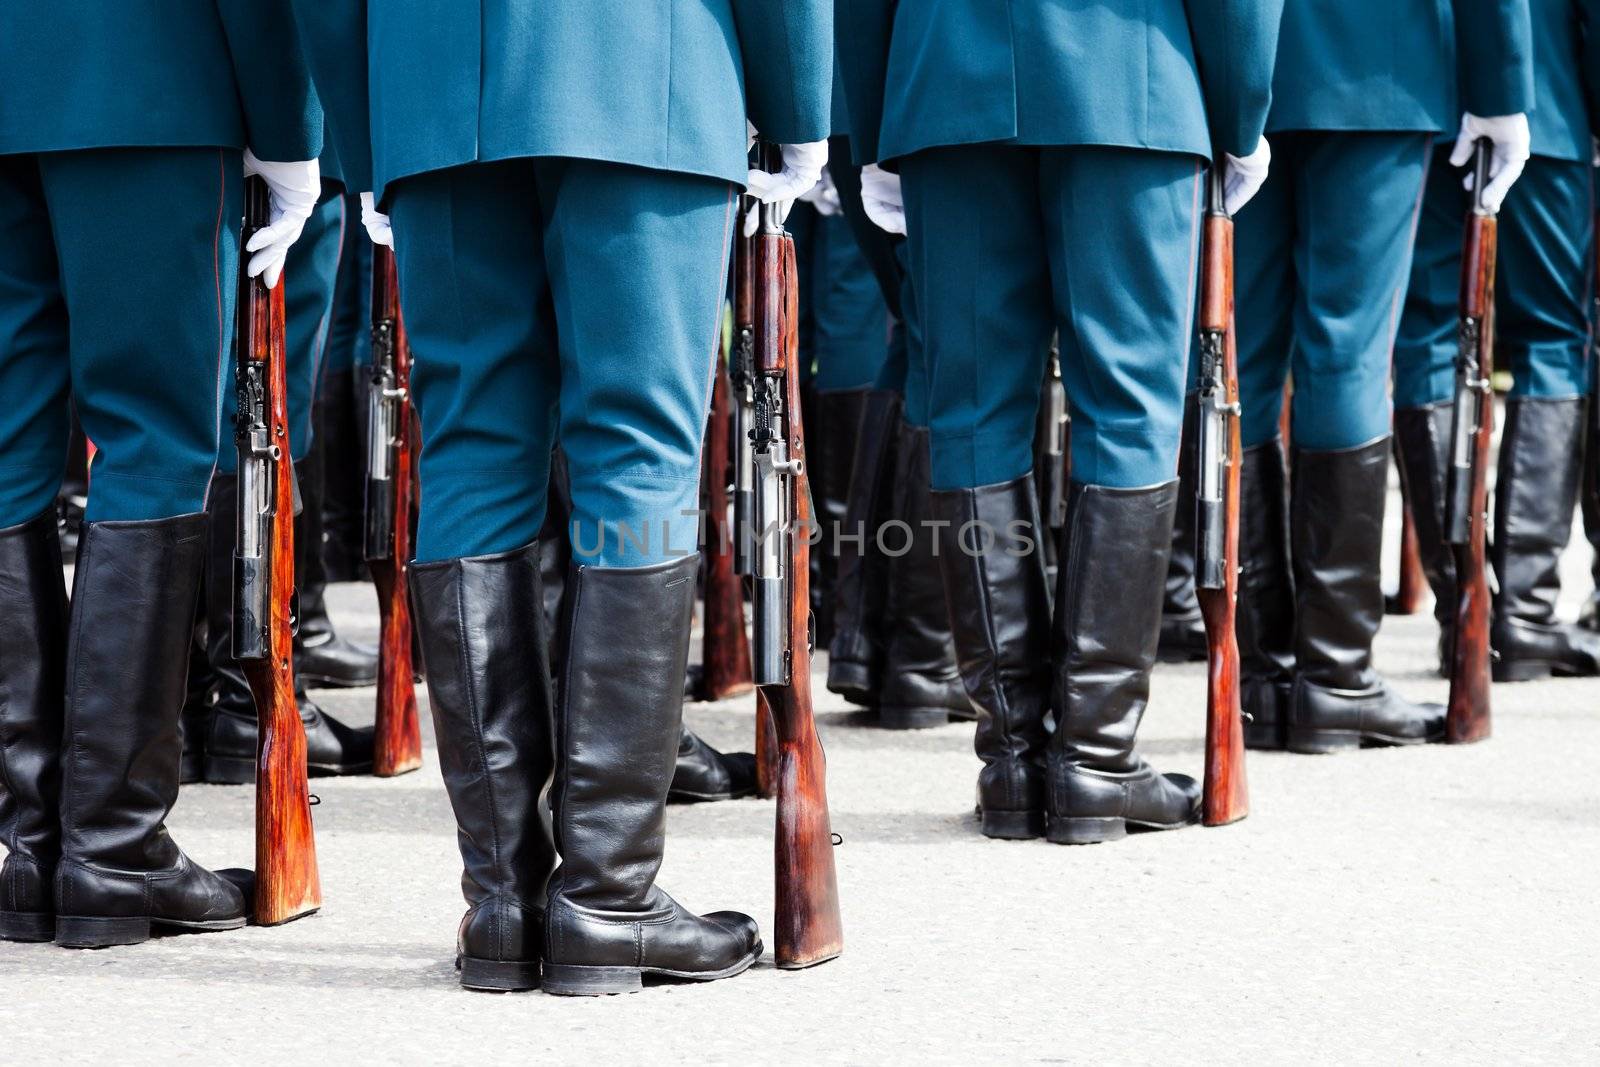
x,y
1566,50
1191,76
1389,64
111,74
641,82
335,36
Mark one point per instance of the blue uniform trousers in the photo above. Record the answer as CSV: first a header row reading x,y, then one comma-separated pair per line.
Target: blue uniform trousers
x,y
1010,243
118,274
1321,260
844,323
552,298
1543,286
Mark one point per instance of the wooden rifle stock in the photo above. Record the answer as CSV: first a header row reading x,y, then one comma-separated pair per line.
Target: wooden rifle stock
x,y
808,925
287,883
725,648
1466,519
1227,796
1413,581
397,740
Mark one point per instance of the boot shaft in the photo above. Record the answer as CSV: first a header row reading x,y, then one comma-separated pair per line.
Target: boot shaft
x,y
33,649
1264,624
618,725
133,602
1422,437
1541,463
861,581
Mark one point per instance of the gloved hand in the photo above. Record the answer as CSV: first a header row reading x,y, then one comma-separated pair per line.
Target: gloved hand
x,y
376,222
1512,147
802,168
1245,177
295,189
882,200
824,196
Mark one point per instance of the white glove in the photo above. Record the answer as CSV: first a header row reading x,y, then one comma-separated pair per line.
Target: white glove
x,y
1245,177
295,189
802,169
376,222
824,196
882,200
1512,147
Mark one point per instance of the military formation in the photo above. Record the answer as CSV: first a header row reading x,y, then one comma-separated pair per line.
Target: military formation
x,y
996,211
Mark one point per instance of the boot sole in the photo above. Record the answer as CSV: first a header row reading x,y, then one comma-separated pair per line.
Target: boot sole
x,y
900,717
27,926
94,931
235,770
1329,742
1097,831
498,976
575,980
1012,825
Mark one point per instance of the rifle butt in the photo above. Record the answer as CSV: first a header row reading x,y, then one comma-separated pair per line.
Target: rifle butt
x,y
397,732
809,928
1467,718
766,748
287,883
1227,792
725,647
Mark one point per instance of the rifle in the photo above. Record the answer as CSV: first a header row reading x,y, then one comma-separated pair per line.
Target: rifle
x,y
397,742
725,648
808,925
1466,500
742,378
1058,448
265,604
1407,599
1227,795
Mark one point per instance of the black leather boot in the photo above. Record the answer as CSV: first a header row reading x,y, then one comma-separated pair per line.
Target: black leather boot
x,y
340,439
920,686
837,422
490,692
1264,623
855,656
1541,461
1108,606
195,723
1000,617
322,657
33,652
1423,435
1339,701
705,774
1183,630
332,748
133,601
617,733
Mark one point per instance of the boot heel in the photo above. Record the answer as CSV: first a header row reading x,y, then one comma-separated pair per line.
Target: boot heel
x,y
901,717
1013,825
27,926
1322,742
573,980
1086,831
499,976
230,770
80,931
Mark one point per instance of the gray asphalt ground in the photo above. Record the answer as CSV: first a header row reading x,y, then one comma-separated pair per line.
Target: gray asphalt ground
x,y
1432,904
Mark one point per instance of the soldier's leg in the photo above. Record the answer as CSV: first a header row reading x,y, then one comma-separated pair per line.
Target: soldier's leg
x,y
1125,317
340,409
1358,201
311,281
484,378
632,431
982,278
229,749
1265,286
1424,377
150,300
1543,293
34,374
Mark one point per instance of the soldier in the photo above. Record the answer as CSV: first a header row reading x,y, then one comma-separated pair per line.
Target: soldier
x,y
562,180
1025,216
891,648
1543,298
124,141
1322,260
